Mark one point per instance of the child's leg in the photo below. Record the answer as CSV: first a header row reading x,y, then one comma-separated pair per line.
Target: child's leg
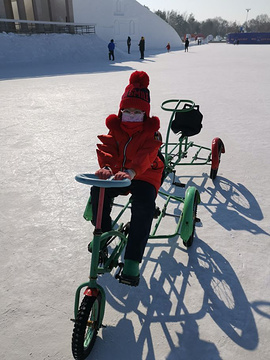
x,y
142,212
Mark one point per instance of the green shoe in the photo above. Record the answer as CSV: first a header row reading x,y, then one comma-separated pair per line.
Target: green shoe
x,y
130,274
131,268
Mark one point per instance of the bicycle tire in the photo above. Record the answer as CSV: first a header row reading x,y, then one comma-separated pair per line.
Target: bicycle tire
x,y
86,327
194,213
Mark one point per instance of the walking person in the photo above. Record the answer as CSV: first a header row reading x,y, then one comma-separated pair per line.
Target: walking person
x,y
186,45
111,47
128,44
168,47
142,47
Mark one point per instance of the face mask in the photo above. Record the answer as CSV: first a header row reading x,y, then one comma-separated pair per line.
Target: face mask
x,y
128,116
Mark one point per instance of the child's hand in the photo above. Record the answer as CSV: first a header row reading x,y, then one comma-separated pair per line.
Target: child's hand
x,y
104,173
121,175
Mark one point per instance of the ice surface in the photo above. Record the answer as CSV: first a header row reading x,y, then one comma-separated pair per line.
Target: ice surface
x,y
210,302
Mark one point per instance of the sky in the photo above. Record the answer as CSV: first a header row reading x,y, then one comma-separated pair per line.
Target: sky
x,y
230,10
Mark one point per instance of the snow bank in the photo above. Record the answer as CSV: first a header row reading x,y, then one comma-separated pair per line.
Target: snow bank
x,y
60,49
48,48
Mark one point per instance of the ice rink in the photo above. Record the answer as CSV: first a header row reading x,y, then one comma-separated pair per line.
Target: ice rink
x,y
208,303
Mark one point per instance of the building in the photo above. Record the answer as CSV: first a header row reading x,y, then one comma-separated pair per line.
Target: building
x,y
115,19
37,10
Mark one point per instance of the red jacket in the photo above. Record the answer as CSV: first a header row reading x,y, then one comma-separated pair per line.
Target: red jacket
x,y
139,151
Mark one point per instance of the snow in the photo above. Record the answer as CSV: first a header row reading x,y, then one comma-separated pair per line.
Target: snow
x,y
208,302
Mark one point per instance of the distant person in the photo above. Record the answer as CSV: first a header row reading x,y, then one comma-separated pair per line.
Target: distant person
x,y
186,44
168,47
237,42
142,47
111,47
128,44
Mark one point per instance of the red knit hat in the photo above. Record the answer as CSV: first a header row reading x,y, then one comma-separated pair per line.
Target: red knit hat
x,y
136,94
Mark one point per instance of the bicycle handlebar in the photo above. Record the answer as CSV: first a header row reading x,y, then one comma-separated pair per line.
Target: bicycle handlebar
x,y
178,103
91,179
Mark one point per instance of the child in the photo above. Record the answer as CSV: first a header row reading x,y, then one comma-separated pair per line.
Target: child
x,y
130,151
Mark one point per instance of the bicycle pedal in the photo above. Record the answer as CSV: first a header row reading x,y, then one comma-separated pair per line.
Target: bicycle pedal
x,y
129,280
118,274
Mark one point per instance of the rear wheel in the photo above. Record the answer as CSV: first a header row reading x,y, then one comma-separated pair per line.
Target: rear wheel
x,y
86,327
194,219
217,149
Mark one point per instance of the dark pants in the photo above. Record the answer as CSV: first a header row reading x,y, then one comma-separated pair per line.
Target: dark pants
x,y
142,53
143,197
111,54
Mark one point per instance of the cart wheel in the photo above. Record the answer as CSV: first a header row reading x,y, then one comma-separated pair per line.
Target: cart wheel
x,y
194,216
217,149
86,327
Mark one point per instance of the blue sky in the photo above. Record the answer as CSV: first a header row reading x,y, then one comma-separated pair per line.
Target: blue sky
x,y
231,10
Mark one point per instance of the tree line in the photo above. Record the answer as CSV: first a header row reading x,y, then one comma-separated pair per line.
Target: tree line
x,y
187,24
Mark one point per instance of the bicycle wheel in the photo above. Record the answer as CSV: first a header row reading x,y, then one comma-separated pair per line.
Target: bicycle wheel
x,y
217,149
86,327
194,217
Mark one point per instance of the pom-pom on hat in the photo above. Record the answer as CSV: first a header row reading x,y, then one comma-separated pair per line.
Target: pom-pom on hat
x,y
136,94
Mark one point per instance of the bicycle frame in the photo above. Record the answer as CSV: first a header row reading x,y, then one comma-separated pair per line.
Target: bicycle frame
x,y
175,152
183,226
92,287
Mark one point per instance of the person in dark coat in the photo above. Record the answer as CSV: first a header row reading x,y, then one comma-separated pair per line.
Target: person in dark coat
x,y
128,44
142,47
186,44
111,47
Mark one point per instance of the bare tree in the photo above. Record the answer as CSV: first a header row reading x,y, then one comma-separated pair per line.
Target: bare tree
x,y
187,24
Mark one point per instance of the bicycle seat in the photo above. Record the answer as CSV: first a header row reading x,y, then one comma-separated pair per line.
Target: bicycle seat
x,y
189,123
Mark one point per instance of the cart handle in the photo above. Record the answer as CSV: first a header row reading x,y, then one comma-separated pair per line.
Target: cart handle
x,y
91,179
175,109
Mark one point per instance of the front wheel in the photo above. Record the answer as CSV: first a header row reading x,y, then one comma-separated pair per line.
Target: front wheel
x,y
217,149
86,327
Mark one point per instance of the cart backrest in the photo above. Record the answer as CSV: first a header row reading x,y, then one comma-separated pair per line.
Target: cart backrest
x,y
189,123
